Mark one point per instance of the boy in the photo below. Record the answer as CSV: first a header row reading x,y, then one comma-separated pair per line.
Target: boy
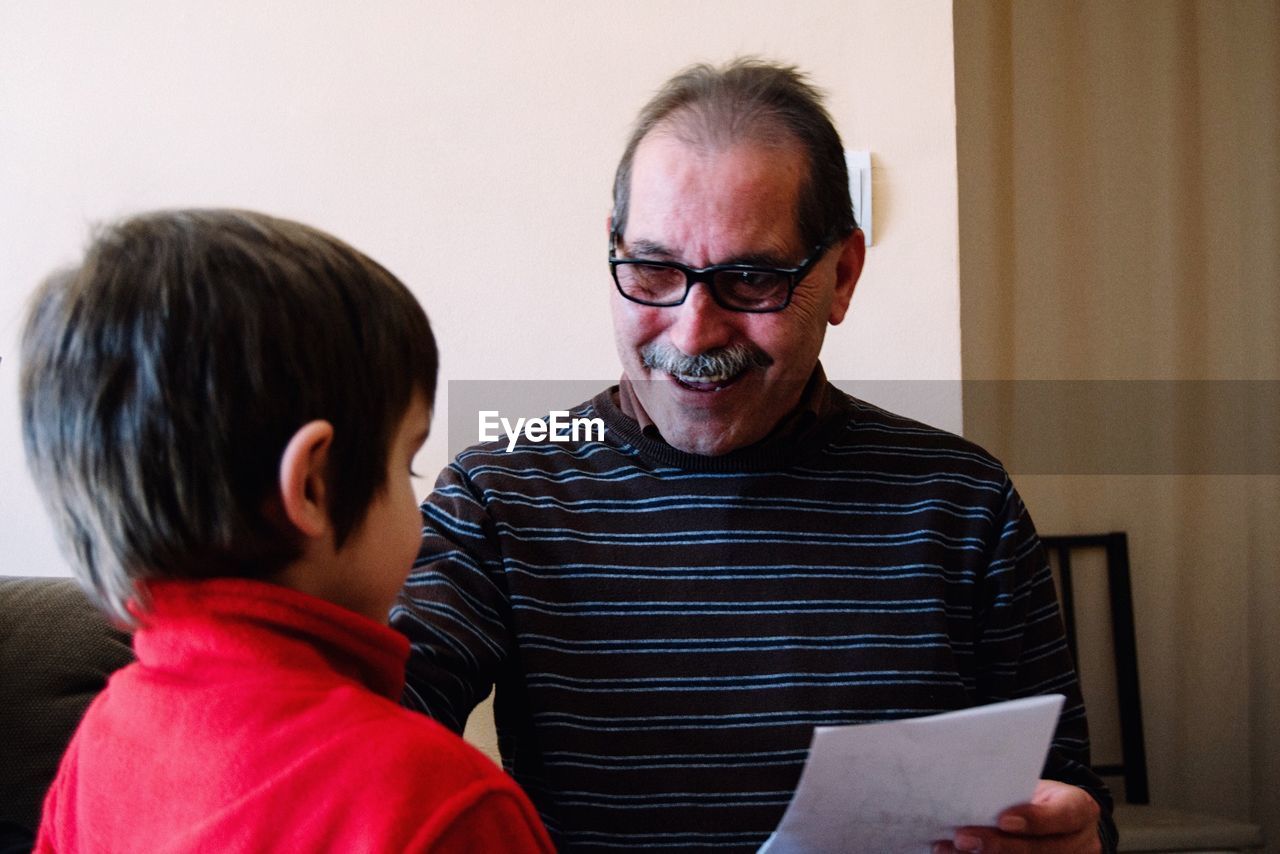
x,y
221,410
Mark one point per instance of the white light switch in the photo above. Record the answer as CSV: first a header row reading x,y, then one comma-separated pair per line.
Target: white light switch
x,y
859,163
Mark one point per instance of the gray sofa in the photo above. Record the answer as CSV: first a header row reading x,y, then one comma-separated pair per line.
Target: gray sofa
x,y
56,652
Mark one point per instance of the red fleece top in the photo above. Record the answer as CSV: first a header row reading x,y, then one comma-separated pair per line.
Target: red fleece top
x,y
261,719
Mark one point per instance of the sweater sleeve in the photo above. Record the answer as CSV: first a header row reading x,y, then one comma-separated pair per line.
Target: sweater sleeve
x,y
1022,648
453,607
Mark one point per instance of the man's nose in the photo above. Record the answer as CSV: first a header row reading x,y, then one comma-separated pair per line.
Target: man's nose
x,y
700,324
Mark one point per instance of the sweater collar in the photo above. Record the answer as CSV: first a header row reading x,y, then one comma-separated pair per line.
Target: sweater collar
x,y
241,623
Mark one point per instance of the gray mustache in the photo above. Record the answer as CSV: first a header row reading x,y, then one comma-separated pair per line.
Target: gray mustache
x,y
729,360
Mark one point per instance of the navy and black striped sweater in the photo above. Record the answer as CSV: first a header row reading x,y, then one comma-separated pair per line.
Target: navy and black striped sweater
x,y
665,629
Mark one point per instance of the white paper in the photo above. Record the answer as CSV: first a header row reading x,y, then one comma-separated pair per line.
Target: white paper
x,y
897,787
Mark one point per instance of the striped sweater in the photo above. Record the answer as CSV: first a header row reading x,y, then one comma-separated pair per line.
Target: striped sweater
x,y
665,629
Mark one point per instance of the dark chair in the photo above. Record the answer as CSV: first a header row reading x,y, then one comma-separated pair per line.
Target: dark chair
x,y
1132,766
56,653
1142,827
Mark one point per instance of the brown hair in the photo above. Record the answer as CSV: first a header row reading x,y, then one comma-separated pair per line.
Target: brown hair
x,y
163,377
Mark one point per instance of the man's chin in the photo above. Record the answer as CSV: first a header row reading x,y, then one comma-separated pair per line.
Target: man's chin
x,y
707,438
711,420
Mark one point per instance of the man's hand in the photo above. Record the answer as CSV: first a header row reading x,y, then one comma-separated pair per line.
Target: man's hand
x,y
1060,818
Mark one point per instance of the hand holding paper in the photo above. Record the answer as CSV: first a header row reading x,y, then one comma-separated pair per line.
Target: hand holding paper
x,y
1060,819
899,786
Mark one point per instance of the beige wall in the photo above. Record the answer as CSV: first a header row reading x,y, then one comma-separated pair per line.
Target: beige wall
x,y
468,146
1120,220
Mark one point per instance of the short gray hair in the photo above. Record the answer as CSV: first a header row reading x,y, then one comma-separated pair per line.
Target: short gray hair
x,y
750,100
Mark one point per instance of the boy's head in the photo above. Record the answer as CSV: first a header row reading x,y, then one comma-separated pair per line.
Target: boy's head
x,y
165,377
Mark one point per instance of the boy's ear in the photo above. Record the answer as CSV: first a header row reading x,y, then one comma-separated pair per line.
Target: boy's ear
x,y
302,478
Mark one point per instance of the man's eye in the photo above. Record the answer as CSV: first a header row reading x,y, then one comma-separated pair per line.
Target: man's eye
x,y
650,281
749,280
655,275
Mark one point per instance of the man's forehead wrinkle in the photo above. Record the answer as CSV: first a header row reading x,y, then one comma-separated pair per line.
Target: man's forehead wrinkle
x,y
760,257
699,207
687,217
649,249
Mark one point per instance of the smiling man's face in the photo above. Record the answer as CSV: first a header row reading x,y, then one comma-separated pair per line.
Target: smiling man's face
x,y
702,207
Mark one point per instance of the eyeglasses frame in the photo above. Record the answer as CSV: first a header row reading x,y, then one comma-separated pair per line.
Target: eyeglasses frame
x,y
706,275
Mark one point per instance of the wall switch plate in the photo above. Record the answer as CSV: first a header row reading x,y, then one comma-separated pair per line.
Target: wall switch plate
x,y
859,163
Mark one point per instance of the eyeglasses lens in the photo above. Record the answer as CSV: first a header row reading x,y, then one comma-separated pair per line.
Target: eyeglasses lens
x,y
651,283
753,290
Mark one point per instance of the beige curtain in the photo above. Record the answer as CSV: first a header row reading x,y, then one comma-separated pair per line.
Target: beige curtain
x,y
1120,221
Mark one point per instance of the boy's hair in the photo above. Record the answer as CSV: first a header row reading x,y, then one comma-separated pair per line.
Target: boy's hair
x,y
164,376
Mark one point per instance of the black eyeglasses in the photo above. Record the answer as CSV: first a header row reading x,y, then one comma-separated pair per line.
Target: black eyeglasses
x,y
736,287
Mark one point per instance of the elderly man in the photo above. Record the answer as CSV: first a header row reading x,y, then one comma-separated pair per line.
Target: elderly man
x,y
667,612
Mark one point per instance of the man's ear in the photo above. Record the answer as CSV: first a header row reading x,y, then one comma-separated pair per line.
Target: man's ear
x,y
302,478
848,269
608,224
